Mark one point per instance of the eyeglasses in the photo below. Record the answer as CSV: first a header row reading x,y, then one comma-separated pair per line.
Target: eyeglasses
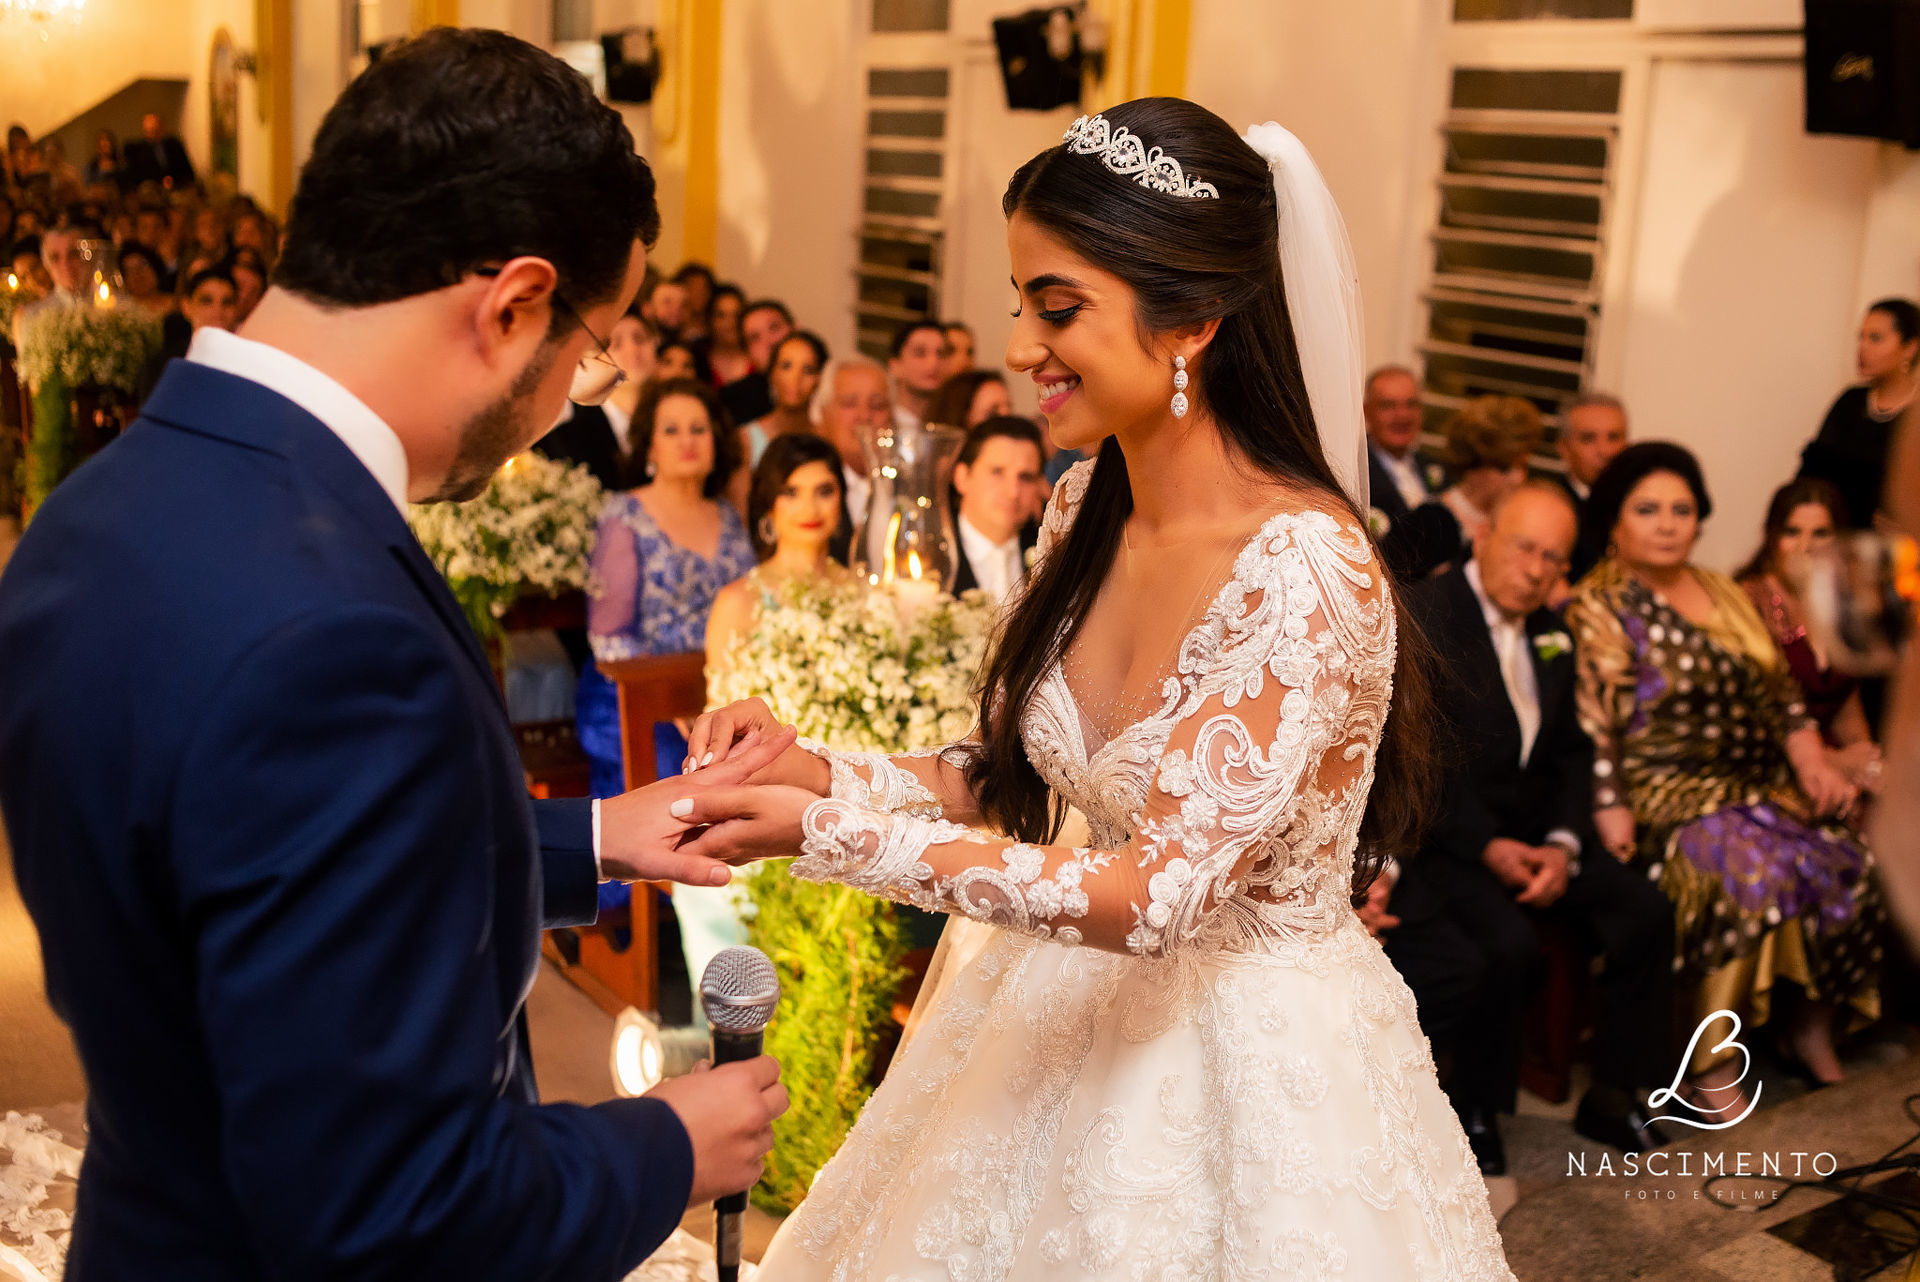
x,y
597,374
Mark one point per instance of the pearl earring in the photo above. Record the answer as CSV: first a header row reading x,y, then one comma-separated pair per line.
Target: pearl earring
x,y
1179,387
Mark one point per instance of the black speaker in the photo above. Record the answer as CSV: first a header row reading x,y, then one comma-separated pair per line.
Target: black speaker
x,y
1863,69
1040,57
633,64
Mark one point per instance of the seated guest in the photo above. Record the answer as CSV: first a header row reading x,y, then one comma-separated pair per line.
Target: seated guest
x,y
675,360
140,271
1487,447
598,437
104,165
722,346
1850,451
26,266
1710,778
152,228
249,273
1593,428
665,306
1391,406
1803,519
209,303
917,365
960,347
696,279
65,270
664,549
850,406
763,323
996,477
1512,844
797,363
969,399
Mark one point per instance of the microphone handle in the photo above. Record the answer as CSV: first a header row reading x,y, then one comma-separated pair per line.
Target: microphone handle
x,y
731,1048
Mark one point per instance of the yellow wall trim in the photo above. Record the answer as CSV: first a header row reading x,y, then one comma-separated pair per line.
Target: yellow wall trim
x,y
273,45
435,13
1167,58
701,231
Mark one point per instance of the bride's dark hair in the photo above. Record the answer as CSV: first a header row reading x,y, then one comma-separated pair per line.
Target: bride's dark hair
x,y
1188,261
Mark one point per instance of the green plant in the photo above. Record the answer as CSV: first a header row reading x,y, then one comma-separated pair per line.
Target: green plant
x,y
838,955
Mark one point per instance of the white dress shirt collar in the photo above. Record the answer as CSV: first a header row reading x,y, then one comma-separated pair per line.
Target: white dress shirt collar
x,y
622,424
346,415
1405,474
996,566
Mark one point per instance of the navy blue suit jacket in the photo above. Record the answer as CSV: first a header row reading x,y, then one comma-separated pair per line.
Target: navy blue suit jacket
x,y
267,814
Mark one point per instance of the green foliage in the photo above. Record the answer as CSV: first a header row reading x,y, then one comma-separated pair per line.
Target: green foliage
x,y
54,450
838,954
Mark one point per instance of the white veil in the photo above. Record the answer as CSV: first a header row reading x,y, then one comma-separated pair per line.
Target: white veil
x,y
1323,298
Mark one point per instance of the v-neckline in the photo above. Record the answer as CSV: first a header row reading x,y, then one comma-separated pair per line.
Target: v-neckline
x,y
719,541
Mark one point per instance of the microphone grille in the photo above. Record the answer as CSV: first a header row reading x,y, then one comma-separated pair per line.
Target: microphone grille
x,y
739,990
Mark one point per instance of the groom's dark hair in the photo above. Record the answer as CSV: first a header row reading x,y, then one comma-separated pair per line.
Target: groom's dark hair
x,y
462,149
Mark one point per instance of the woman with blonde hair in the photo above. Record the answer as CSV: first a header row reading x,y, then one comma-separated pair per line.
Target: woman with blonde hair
x,y
1488,443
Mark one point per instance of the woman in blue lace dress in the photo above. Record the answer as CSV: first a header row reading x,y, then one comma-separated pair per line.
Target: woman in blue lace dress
x,y
664,549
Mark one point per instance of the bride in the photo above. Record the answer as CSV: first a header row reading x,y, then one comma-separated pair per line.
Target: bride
x,y
1178,1055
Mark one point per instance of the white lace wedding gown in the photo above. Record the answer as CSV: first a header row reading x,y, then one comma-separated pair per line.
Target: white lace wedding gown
x,y
1179,1056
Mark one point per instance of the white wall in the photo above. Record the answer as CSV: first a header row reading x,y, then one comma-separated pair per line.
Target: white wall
x,y
1740,320
790,156
1361,82
48,82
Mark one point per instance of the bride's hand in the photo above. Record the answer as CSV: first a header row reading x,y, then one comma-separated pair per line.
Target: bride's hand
x,y
715,733
640,837
743,824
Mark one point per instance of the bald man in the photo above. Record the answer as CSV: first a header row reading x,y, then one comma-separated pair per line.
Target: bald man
x,y
1513,844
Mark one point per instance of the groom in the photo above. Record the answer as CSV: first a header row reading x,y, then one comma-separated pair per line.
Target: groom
x,y
263,796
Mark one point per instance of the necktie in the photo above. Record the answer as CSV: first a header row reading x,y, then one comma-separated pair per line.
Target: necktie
x,y
1516,671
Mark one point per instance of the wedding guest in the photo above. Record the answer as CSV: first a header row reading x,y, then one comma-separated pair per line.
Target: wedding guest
x,y
210,234
696,279
960,347
66,273
996,477
1487,445
1513,845
724,349
1710,777
917,364
849,407
250,280
664,548
763,323
253,232
27,266
208,303
140,270
67,183
152,228
158,157
666,307
602,441
1803,519
795,376
104,165
1593,429
676,360
1850,450
1391,406
969,399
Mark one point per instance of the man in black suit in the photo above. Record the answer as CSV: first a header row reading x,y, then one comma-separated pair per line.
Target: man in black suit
x,y
1414,533
288,881
1513,841
996,478
158,157
1593,428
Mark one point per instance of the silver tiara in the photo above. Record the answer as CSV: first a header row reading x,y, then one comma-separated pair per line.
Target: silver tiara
x,y
1124,153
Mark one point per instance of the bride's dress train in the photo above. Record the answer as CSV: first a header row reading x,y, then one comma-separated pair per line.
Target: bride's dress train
x,y
1232,1085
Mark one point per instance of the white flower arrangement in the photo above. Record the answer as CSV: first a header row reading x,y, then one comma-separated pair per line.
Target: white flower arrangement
x,y
87,346
855,670
530,531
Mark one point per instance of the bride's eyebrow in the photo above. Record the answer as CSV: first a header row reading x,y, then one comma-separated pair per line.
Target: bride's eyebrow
x,y
1051,280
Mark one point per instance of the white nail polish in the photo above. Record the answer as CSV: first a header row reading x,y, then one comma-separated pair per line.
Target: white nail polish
x,y
706,760
681,808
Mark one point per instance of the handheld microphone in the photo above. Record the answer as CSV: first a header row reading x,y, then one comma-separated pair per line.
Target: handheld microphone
x,y
739,990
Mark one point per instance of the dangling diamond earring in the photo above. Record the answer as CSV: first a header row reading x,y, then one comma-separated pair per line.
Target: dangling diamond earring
x,y
1179,387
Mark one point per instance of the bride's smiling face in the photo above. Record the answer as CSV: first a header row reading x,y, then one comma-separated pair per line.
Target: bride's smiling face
x,y
1077,334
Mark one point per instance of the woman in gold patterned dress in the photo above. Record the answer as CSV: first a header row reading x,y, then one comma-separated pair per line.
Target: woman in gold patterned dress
x,y
1709,774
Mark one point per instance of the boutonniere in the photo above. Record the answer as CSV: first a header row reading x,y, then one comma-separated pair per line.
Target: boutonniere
x,y
1551,645
1377,523
1031,555
1436,477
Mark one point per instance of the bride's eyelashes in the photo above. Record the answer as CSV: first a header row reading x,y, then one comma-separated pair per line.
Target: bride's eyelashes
x,y
1058,316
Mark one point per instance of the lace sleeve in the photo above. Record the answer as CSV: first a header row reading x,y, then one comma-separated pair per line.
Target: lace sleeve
x,y
932,784
1256,797
613,606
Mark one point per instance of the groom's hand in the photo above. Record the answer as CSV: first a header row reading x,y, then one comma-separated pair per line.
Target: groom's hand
x,y
642,840
728,1112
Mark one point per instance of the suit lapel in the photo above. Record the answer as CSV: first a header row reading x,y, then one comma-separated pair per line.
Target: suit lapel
x,y
1549,675
1476,639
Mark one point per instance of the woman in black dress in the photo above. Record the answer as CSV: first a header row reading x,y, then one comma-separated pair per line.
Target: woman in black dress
x,y
1851,450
